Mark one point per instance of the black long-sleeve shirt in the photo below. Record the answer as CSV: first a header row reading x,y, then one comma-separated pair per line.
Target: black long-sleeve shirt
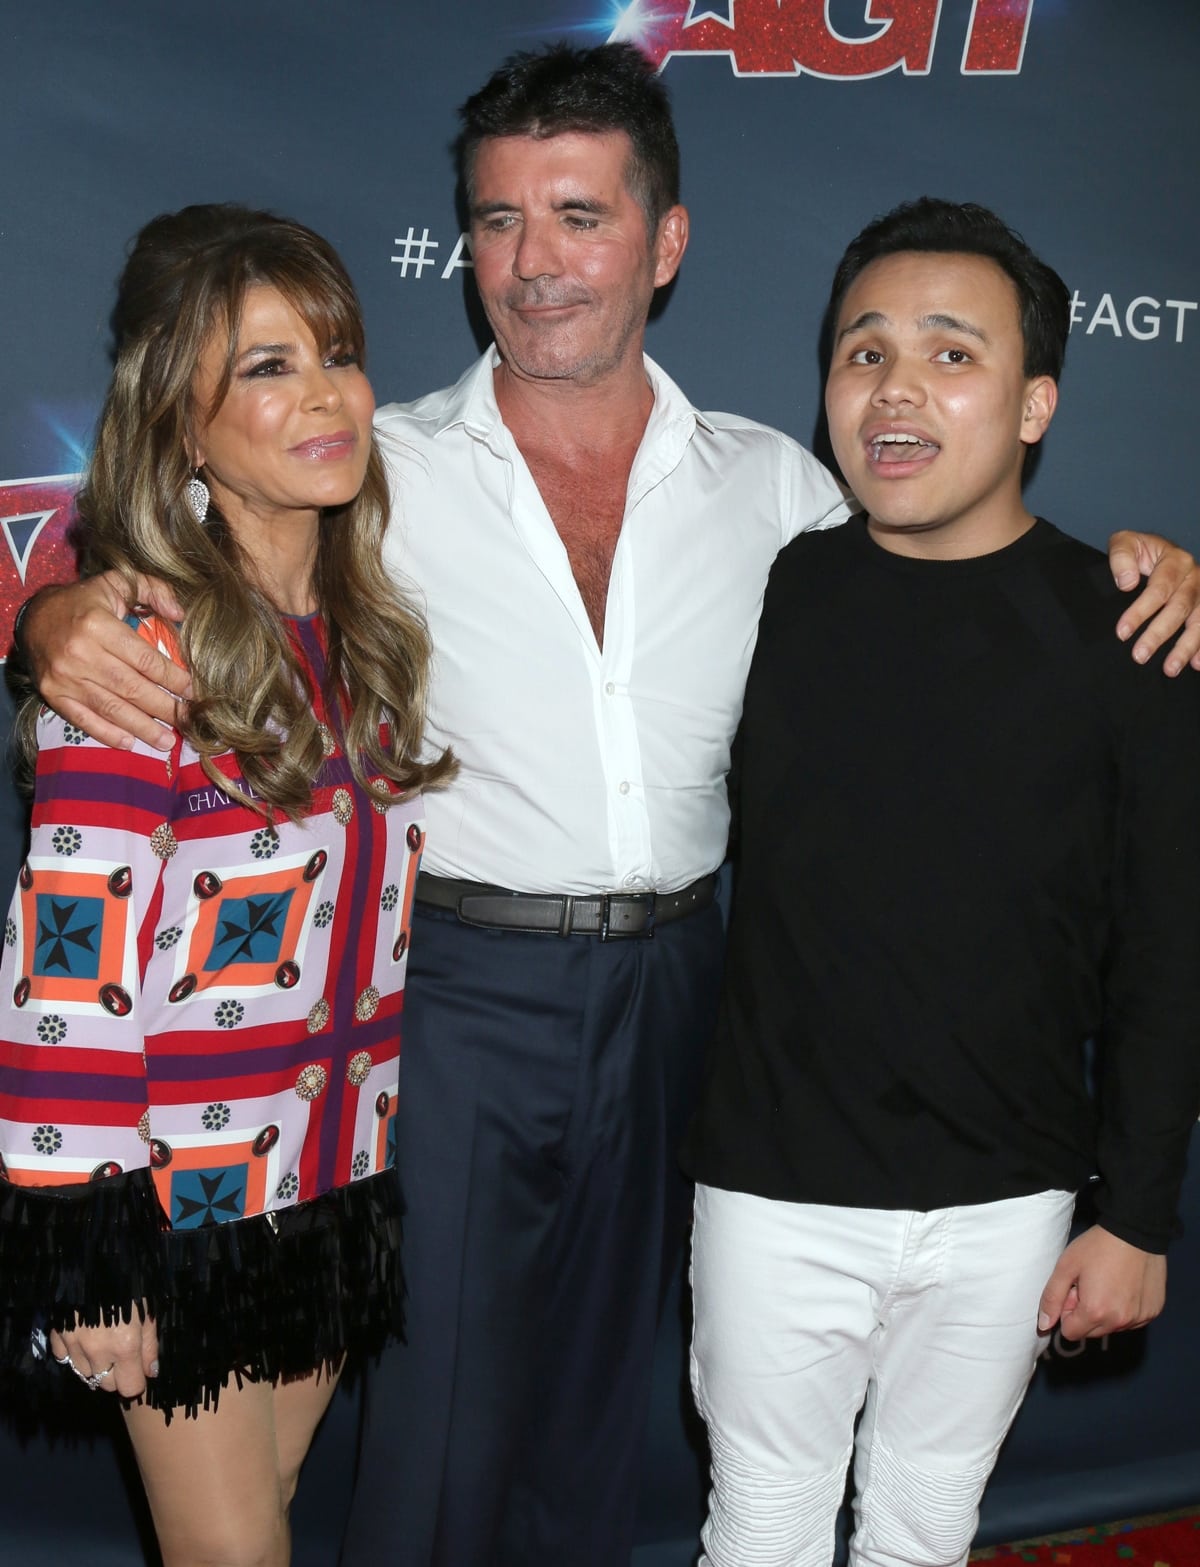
x,y
970,841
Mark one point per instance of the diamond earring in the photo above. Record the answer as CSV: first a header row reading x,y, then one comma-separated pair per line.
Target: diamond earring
x,y
196,492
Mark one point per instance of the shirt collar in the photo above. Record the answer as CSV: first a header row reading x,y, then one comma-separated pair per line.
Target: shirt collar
x,y
471,402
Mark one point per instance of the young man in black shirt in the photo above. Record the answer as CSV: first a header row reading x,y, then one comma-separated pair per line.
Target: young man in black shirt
x,y
969,844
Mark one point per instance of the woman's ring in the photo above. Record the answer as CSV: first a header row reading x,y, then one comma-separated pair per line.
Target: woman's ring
x,y
90,1382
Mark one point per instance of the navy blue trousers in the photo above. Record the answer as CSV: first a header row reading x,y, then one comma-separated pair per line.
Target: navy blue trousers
x,y
545,1083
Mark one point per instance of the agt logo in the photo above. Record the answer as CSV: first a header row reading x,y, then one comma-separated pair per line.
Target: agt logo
x,y
788,37
35,516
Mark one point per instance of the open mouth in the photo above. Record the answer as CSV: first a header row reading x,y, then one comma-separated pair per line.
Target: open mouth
x,y
896,448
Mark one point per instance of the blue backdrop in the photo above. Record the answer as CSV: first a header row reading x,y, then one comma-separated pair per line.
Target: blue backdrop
x,y
1078,120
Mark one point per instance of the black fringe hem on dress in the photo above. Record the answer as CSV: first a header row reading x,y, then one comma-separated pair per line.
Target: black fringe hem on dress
x,y
272,1297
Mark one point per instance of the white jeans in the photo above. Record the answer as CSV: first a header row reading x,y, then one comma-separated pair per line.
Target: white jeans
x,y
805,1314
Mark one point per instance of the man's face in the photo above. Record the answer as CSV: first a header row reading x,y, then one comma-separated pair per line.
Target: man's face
x,y
565,267
929,407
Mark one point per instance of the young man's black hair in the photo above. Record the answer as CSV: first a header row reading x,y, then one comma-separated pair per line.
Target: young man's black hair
x,y
931,224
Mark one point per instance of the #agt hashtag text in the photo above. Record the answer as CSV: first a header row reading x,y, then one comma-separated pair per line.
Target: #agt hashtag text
x,y
416,253
1143,318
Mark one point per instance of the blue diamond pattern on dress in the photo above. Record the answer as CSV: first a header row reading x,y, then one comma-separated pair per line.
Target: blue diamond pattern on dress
x,y
68,936
249,930
208,1196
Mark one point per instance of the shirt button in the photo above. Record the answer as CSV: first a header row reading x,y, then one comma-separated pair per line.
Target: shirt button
x,y
623,787
633,881
610,689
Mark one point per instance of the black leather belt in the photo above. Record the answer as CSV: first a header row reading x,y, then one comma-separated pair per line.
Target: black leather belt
x,y
612,916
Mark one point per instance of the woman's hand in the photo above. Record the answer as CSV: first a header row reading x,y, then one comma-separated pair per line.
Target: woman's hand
x,y
117,1358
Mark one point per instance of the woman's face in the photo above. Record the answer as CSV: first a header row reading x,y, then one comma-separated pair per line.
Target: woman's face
x,y
293,433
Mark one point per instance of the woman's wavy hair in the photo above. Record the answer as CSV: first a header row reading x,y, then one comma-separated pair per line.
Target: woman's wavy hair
x,y
185,279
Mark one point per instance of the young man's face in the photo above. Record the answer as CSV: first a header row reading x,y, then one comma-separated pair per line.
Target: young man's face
x,y
929,407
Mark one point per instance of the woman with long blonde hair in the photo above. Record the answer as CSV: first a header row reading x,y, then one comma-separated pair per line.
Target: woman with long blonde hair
x,y
204,957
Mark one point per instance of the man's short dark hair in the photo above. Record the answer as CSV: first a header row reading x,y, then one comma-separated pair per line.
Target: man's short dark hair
x,y
930,224
611,87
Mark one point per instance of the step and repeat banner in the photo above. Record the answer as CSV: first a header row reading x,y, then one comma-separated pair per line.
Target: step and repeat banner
x,y
1077,120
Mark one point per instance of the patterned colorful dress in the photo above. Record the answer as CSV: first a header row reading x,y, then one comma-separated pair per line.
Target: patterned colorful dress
x,y
199,1041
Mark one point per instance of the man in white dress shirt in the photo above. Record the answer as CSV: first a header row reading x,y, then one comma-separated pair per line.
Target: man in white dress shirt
x,y
592,552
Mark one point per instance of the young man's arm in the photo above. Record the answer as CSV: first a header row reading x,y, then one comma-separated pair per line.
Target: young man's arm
x,y
1114,1275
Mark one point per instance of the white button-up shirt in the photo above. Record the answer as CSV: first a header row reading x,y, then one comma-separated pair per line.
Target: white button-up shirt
x,y
584,768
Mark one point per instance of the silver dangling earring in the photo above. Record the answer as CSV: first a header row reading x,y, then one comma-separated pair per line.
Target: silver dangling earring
x,y
196,492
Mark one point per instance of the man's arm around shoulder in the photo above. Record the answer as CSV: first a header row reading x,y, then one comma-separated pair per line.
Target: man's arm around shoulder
x,y
96,671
